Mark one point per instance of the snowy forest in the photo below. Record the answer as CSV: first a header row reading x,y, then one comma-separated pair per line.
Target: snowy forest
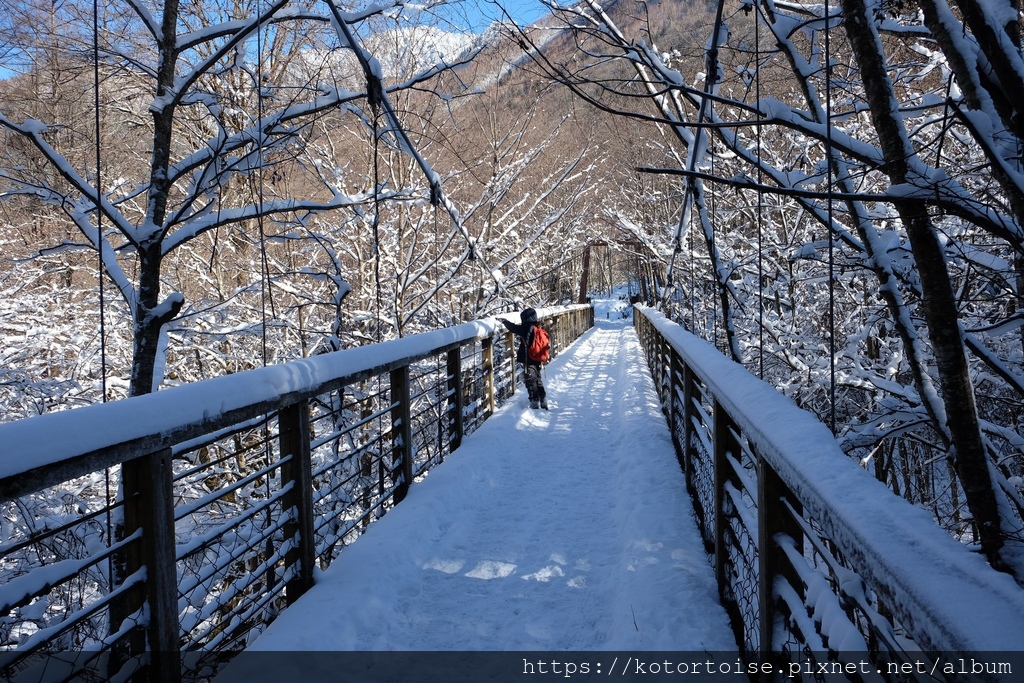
x,y
832,194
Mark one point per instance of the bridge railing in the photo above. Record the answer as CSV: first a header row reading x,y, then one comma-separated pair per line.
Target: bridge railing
x,y
817,561
158,534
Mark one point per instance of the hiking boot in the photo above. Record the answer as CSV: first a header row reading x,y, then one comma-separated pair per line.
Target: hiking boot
x,y
544,404
535,404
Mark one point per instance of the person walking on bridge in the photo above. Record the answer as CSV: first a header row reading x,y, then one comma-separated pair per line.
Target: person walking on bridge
x,y
534,350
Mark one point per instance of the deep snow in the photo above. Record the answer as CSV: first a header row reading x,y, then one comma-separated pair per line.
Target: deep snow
x,y
567,529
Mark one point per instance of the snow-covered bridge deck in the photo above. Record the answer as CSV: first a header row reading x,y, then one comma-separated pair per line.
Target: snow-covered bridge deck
x,y
567,529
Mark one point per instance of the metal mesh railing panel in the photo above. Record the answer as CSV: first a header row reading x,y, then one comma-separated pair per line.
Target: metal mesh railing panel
x,y
65,577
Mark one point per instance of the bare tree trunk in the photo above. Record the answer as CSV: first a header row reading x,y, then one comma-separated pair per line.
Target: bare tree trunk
x,y
148,323
149,320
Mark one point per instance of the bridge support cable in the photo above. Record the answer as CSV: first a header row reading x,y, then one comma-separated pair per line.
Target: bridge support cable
x,y
267,299
694,194
830,213
760,196
141,503
98,131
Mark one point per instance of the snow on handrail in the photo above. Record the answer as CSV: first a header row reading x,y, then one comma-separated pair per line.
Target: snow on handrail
x,y
946,596
232,491
92,437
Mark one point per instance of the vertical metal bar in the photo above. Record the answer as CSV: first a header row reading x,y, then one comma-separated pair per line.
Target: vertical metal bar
x,y
401,430
456,424
293,422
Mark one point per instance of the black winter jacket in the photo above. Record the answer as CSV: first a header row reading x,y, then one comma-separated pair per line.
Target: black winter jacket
x,y
524,331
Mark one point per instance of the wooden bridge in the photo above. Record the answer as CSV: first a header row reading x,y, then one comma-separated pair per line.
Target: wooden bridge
x,y
156,536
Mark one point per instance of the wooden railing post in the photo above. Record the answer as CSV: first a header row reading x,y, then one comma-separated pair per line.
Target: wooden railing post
x,y
401,430
293,421
725,444
510,344
689,396
149,506
658,353
456,423
666,353
487,363
675,385
773,518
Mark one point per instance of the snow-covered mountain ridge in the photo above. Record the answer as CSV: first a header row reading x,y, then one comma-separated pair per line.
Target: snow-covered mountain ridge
x,y
401,52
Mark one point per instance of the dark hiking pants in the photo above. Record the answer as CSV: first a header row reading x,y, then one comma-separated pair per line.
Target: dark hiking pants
x,y
534,385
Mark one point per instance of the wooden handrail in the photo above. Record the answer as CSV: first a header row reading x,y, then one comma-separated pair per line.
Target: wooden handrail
x,y
784,513
360,404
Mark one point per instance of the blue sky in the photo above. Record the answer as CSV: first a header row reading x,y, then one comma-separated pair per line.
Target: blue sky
x,y
477,13
480,13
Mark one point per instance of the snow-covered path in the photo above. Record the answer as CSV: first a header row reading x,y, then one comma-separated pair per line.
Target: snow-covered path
x,y
557,530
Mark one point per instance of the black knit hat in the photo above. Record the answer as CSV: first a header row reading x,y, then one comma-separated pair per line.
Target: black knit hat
x,y
529,316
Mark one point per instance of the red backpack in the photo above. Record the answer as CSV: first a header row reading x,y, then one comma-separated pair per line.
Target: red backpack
x,y
539,348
